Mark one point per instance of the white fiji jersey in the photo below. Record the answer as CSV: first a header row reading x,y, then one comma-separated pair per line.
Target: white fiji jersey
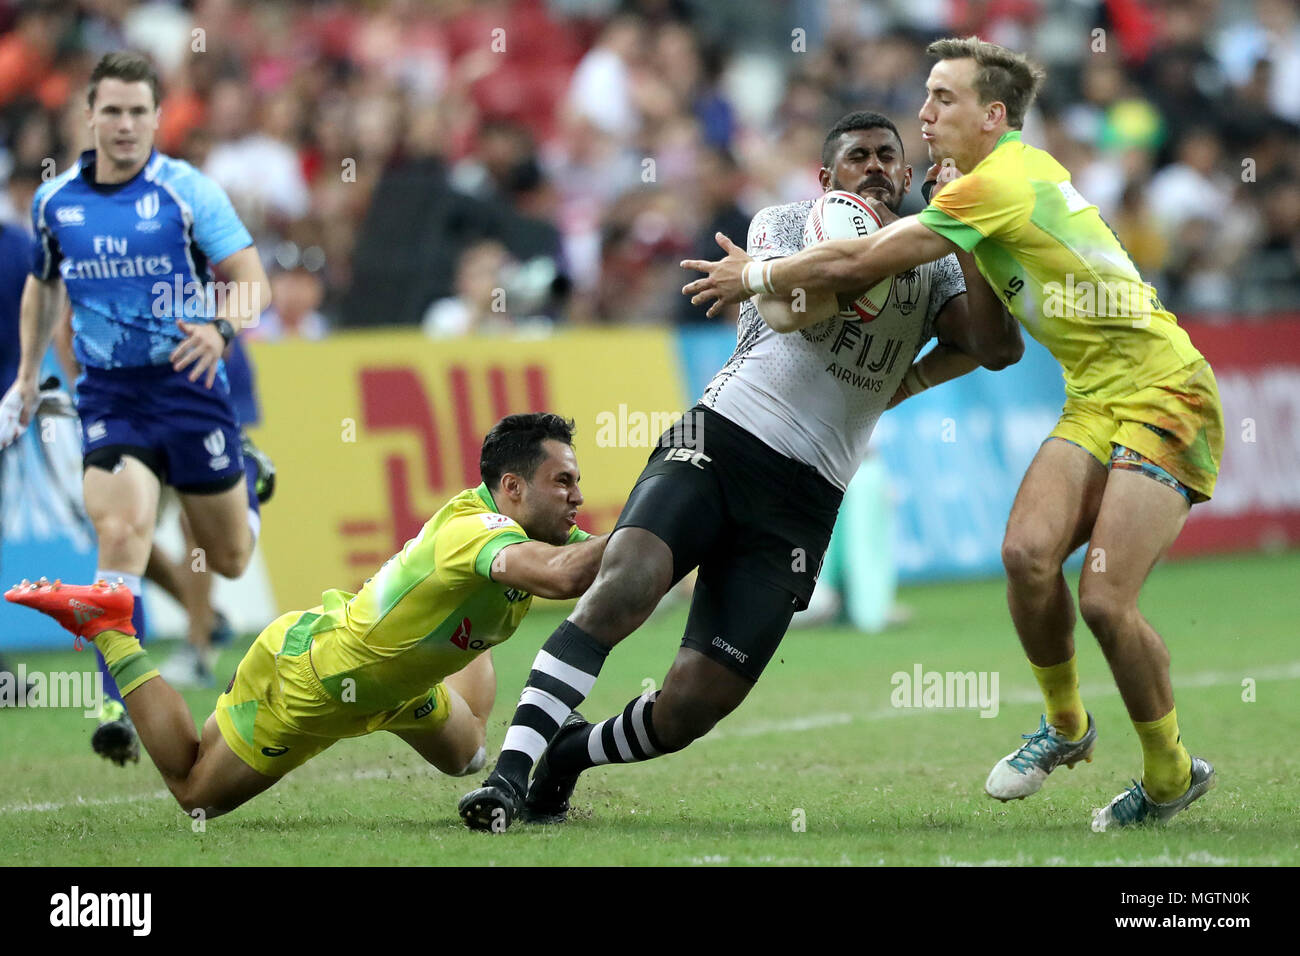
x,y
815,395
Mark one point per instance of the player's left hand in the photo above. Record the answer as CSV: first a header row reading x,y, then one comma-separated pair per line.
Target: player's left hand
x,y
202,348
723,282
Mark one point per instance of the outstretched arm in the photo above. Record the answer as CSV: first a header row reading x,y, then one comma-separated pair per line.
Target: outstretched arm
x,y
548,570
842,265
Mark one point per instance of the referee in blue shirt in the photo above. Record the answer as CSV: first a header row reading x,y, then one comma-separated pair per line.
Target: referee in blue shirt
x,y
132,235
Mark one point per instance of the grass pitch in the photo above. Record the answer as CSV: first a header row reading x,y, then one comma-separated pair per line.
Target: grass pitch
x,y
817,767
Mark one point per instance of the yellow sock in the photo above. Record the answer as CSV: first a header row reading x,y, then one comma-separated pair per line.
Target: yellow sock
x,y
1060,686
126,660
1166,765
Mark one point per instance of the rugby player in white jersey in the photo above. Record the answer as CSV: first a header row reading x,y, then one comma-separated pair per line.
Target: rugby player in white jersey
x,y
745,487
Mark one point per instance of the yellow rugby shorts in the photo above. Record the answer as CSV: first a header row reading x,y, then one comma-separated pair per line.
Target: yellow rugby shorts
x,y
1176,423
276,715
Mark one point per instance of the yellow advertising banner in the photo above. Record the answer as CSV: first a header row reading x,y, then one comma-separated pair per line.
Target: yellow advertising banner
x,y
372,432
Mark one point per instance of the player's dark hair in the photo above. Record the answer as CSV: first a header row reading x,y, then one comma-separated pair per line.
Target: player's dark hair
x,y
1001,75
862,119
514,445
127,67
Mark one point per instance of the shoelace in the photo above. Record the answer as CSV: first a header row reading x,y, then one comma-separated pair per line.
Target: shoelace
x,y
1131,807
1030,752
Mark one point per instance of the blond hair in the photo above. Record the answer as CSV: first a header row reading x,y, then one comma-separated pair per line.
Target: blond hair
x,y
1001,75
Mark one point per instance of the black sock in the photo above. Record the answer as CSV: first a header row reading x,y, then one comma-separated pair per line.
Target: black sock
x,y
628,737
562,676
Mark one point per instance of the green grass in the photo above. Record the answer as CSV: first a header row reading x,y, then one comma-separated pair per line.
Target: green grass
x,y
876,785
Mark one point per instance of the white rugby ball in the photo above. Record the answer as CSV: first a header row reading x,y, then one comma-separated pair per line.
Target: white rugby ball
x,y
839,214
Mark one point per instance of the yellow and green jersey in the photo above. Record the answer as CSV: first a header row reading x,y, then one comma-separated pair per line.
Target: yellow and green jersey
x,y
430,610
1061,271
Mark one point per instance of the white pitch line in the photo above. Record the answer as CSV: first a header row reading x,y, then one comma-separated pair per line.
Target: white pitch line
x,y
1019,695
372,773
802,724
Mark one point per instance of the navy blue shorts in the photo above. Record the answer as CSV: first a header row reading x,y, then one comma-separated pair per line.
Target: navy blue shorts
x,y
185,433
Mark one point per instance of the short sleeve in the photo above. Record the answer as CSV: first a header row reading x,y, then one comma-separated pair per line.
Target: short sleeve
x,y
977,207
217,227
771,235
465,547
46,254
947,281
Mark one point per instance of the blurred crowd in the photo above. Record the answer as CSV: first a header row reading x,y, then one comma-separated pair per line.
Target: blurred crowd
x,y
498,164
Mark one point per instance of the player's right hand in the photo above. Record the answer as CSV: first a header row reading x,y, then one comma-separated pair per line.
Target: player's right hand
x,y
202,348
16,409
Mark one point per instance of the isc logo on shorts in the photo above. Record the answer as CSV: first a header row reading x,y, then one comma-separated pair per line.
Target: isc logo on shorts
x,y
427,708
696,458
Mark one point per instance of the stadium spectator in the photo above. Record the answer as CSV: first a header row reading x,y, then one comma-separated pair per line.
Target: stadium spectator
x,y
296,296
376,131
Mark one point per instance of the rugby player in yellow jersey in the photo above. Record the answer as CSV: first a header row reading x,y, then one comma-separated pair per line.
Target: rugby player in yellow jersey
x,y
1139,440
408,654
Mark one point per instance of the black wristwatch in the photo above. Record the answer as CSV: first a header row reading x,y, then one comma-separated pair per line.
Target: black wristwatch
x,y
927,193
225,329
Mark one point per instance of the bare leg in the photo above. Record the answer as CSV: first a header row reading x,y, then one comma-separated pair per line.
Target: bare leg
x,y
201,774
635,573
198,593
697,693
1139,520
220,526
454,747
1053,514
122,505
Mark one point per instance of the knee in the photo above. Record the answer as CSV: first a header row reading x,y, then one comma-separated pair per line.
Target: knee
x,y
193,801
229,559
1029,560
1105,614
118,533
475,763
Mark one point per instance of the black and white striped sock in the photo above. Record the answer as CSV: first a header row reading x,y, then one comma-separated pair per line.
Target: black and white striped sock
x,y
563,674
628,737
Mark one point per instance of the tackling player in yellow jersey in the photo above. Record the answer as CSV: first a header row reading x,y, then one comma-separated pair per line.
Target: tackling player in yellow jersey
x,y
407,654
1140,437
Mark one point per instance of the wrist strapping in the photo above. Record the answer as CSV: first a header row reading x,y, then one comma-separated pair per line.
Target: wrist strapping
x,y
757,278
913,381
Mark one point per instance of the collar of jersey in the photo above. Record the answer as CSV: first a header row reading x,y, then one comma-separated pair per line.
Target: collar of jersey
x,y
87,161
1010,136
483,493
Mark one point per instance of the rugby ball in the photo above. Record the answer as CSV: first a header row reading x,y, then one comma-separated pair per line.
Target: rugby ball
x,y
839,214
